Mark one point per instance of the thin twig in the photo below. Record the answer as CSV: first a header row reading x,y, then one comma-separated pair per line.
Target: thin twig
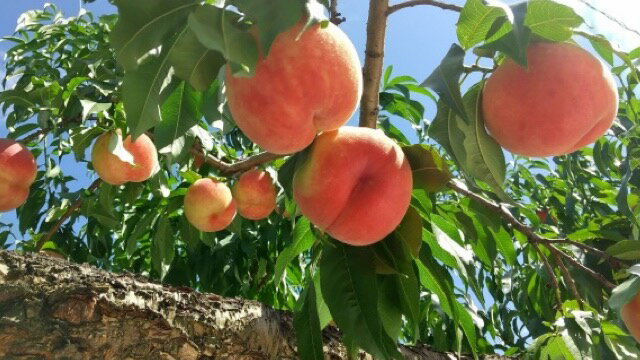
x,y
601,279
568,280
373,61
552,277
334,15
477,68
406,4
603,254
67,214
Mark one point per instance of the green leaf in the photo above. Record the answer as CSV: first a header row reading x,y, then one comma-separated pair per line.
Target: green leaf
x,y
623,194
430,171
389,306
623,346
476,19
162,250
180,112
439,128
435,278
142,90
144,24
16,97
625,250
478,154
444,80
81,138
213,27
92,107
552,20
271,20
350,289
195,63
504,243
624,293
515,42
142,227
303,240
307,325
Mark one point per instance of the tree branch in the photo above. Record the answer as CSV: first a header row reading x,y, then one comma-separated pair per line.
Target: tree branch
x,y
373,61
410,3
552,277
568,280
227,169
67,214
601,279
52,307
532,237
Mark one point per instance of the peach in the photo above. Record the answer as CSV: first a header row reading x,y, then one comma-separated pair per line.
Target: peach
x,y
17,172
114,171
355,184
305,85
631,316
563,101
254,194
209,205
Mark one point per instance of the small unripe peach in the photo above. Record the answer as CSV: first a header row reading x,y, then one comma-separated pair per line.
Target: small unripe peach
x,y
254,194
309,82
114,171
209,205
355,184
17,173
564,100
631,316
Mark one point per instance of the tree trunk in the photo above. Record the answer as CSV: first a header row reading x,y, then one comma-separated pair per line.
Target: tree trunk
x,y
53,309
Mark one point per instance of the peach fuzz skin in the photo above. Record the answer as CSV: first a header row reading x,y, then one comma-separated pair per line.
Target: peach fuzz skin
x,y
254,194
209,206
302,87
565,100
631,316
114,171
17,172
355,184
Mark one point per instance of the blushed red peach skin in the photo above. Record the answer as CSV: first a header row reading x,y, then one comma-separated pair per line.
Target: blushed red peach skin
x,y
17,172
209,206
631,317
565,100
304,86
114,171
254,194
355,184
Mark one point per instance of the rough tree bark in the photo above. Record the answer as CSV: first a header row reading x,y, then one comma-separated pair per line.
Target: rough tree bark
x,y
53,309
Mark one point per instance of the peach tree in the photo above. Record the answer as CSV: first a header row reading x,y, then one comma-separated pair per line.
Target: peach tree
x,y
210,136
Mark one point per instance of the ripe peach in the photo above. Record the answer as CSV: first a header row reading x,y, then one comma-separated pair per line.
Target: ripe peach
x,y
631,316
565,100
355,184
114,171
254,194
17,173
209,206
305,85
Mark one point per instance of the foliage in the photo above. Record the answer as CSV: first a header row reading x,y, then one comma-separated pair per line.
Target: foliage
x,y
477,285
